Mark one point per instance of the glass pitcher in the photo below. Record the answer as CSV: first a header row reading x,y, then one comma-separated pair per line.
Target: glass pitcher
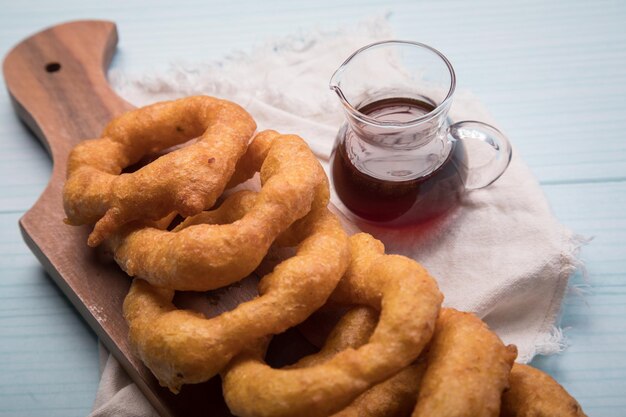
x,y
398,159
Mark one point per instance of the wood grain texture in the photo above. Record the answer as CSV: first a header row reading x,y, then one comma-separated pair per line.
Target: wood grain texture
x,y
57,82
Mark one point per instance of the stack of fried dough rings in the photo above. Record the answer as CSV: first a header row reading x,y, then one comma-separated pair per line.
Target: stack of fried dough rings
x,y
395,352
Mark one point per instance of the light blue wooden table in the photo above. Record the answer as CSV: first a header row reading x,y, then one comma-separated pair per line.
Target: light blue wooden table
x,y
551,72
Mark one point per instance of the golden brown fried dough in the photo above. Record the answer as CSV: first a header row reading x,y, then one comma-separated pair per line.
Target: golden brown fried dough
x,y
182,347
394,397
409,302
200,257
467,369
252,161
352,331
398,395
533,393
185,181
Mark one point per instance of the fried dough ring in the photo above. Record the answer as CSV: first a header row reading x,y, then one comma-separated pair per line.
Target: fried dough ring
x,y
353,330
198,256
462,346
394,397
185,181
183,347
534,393
409,302
467,369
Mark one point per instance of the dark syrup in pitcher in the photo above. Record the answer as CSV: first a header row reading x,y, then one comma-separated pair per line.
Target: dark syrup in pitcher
x,y
381,192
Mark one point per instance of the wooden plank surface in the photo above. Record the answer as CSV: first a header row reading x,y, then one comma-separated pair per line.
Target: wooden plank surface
x,y
550,72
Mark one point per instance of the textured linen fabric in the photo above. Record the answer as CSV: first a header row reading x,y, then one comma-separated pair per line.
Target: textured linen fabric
x,y
117,395
501,254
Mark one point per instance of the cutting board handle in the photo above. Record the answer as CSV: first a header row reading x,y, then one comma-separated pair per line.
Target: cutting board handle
x,y
56,80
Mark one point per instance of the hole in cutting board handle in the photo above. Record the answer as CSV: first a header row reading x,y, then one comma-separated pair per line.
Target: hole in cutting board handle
x,y
53,67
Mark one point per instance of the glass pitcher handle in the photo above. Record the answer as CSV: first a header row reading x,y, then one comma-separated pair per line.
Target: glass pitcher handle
x,y
483,175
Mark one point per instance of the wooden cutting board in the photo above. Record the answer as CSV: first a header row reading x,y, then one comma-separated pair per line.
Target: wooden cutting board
x,y
57,83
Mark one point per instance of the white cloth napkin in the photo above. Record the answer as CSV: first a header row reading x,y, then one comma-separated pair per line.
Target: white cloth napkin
x,y
501,255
